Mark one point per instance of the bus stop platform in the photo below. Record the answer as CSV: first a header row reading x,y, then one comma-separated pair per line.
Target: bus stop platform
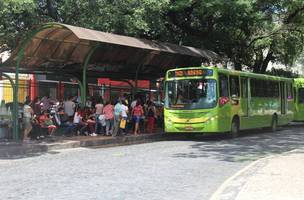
x,y
277,177
15,150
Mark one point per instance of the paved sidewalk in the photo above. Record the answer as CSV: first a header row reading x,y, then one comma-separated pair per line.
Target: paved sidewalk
x,y
13,150
279,177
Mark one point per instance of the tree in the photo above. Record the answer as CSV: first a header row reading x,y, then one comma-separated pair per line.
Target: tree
x,y
127,17
16,17
249,32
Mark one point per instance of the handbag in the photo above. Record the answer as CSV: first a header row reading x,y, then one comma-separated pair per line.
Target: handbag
x,y
123,123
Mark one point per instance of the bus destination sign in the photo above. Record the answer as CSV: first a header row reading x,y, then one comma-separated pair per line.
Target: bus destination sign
x,y
190,72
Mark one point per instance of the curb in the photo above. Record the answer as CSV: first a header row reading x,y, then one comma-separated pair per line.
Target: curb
x,y
231,186
109,142
11,151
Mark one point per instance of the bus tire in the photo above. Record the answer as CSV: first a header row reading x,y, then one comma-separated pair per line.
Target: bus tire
x,y
235,128
274,123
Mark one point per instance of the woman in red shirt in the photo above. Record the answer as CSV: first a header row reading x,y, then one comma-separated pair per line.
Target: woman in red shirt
x,y
137,114
46,122
108,111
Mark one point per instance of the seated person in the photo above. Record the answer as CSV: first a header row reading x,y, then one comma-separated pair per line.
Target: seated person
x,y
46,122
89,120
79,120
62,120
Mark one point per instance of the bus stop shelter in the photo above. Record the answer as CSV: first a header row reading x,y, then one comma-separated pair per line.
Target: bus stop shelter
x,y
55,48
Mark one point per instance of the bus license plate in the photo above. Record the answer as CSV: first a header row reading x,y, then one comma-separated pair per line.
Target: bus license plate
x,y
188,128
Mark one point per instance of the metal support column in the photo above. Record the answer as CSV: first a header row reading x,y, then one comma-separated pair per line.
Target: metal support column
x,y
136,81
19,58
81,92
84,75
15,98
14,94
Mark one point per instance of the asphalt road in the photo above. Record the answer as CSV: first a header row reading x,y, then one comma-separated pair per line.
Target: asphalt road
x,y
170,170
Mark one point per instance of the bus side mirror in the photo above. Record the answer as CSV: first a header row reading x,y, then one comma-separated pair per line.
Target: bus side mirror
x,y
223,100
234,99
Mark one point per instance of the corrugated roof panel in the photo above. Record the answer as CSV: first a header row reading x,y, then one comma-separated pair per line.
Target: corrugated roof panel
x,y
63,45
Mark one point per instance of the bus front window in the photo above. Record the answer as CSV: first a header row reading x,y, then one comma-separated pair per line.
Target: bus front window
x,y
191,94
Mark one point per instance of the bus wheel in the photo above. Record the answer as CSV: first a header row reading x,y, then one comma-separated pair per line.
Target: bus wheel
x,y
274,123
235,128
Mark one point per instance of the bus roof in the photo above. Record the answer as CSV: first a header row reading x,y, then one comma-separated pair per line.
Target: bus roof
x,y
240,73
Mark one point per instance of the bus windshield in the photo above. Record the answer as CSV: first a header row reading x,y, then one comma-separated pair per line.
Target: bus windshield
x,y
191,94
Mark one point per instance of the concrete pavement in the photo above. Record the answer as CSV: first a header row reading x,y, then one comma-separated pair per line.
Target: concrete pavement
x,y
279,177
162,170
275,171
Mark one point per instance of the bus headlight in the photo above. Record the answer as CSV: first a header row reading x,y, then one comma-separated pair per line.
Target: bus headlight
x,y
213,118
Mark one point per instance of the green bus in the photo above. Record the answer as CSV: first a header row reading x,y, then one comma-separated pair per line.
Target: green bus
x,y
299,99
212,100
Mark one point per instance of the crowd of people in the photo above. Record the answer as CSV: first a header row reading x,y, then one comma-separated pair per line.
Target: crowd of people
x,y
109,118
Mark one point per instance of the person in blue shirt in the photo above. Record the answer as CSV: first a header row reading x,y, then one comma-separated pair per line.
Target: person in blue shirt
x,y
118,108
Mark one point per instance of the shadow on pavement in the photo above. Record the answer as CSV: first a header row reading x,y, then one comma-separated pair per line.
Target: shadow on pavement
x,y
252,145
15,150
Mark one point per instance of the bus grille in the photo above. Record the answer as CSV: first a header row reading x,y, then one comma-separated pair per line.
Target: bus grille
x,y
190,115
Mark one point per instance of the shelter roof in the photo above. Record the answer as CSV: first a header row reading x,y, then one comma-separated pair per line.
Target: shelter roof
x,y
59,48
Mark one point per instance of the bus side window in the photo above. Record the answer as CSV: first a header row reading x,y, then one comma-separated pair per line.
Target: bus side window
x,y
301,95
244,86
234,86
289,91
223,85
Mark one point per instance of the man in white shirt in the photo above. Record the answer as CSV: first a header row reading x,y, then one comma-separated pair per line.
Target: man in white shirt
x,y
118,109
98,112
124,115
69,107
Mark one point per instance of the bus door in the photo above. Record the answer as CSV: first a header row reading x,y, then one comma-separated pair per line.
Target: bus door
x,y
234,94
283,97
224,103
244,97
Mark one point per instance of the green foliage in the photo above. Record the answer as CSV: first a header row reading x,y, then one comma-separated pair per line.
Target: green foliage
x,y
16,17
251,33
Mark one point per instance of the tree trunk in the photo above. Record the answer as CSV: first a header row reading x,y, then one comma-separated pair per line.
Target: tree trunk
x,y
258,62
237,66
266,61
261,64
52,10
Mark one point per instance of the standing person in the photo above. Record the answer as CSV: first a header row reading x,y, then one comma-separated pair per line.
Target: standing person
x,y
27,119
89,102
108,111
117,117
27,100
137,113
98,112
69,108
124,117
36,106
151,114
